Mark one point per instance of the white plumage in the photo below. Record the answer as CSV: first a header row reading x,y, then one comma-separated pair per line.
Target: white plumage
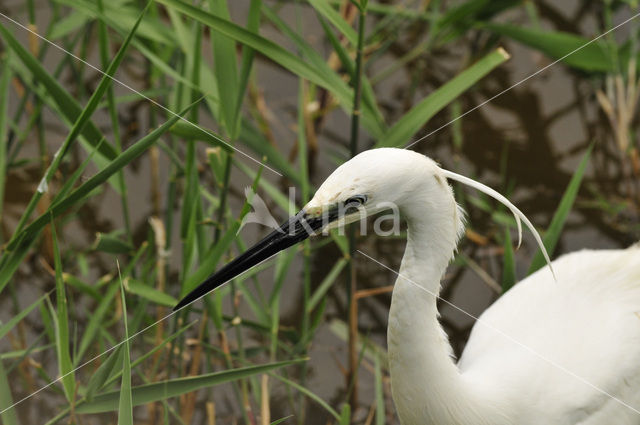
x,y
547,352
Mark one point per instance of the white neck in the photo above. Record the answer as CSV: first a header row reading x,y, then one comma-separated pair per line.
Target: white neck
x,y
426,384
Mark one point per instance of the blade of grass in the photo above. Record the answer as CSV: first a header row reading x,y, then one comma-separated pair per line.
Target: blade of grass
x,y
5,77
137,287
339,328
188,220
281,420
226,67
325,9
191,132
100,177
6,327
83,117
149,353
322,77
251,137
326,283
23,241
317,60
552,235
118,14
458,19
307,392
111,243
411,122
115,124
125,403
253,25
162,390
556,44
67,25
380,410
210,260
9,417
62,325
345,415
282,267
70,109
96,320
115,374
99,377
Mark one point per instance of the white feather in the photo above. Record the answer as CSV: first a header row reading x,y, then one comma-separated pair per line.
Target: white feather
x,y
514,210
544,353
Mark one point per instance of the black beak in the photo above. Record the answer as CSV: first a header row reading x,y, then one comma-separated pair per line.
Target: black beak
x,y
294,230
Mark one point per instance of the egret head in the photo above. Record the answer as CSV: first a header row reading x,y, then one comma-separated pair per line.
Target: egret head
x,y
372,181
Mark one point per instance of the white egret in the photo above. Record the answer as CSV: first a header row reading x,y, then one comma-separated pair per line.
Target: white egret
x,y
549,351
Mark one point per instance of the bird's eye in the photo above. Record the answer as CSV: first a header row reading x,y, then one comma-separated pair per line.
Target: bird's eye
x,y
356,201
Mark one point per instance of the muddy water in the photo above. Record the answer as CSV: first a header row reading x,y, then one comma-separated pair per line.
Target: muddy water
x,y
530,139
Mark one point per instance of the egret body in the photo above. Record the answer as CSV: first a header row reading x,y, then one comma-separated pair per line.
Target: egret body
x,y
561,352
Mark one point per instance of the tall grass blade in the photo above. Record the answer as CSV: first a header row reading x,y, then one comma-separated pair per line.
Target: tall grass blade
x,y
380,408
6,327
400,133
192,132
96,382
345,415
5,77
79,194
9,416
117,14
210,259
67,105
252,138
253,25
555,44
458,19
96,321
307,392
148,354
22,242
226,68
326,283
327,79
374,123
554,231
281,420
108,368
62,325
115,123
157,391
325,9
142,290
83,117
125,403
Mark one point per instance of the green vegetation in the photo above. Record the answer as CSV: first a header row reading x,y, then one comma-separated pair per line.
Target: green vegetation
x,y
120,191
